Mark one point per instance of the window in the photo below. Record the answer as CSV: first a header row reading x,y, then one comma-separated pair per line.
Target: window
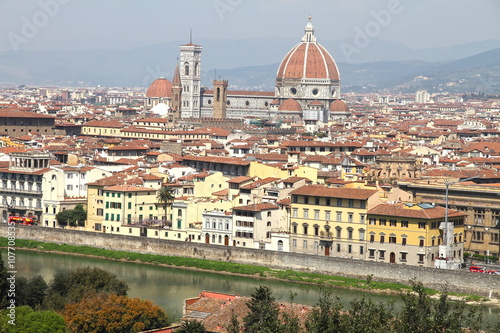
x,y
316,214
339,232
350,217
382,239
99,212
403,256
372,238
361,250
349,248
304,245
381,254
305,229
382,222
129,205
361,234
421,258
295,212
392,238
362,218
362,204
306,213
306,200
349,233
316,245
350,203
294,243
316,201
421,225
69,187
371,253
421,242
373,221
294,228
338,247
327,215
339,216
316,230
339,202
328,202
404,224
392,223
403,241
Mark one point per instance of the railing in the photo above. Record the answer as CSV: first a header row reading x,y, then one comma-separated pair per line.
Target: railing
x,y
326,235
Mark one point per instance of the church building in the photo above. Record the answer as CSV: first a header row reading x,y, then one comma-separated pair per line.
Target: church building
x,y
307,89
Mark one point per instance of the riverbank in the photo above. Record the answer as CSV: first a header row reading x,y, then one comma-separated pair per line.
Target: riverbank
x,y
221,267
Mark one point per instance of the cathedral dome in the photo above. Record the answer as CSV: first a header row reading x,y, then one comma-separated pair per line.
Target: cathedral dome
x,y
161,87
290,105
339,105
308,60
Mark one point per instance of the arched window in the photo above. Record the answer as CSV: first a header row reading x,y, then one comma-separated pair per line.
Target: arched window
x,y
186,68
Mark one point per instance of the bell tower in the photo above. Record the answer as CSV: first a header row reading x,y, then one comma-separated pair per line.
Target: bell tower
x,y
220,99
190,69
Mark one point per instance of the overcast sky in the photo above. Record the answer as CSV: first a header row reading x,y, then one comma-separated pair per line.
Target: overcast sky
x,y
111,24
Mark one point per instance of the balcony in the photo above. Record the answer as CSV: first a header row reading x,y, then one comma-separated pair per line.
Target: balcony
x,y
326,235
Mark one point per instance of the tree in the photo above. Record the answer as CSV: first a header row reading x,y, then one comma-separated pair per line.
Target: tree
x,y
325,317
234,325
73,217
31,292
111,313
264,313
4,284
29,321
422,314
368,317
191,326
165,198
71,286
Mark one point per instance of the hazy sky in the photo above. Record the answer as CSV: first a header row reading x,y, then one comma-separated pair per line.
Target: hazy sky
x,y
110,24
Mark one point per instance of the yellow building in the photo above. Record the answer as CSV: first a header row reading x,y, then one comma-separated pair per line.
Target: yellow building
x,y
261,170
129,205
330,221
406,233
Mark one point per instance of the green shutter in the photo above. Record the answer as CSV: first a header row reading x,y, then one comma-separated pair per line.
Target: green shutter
x,y
107,204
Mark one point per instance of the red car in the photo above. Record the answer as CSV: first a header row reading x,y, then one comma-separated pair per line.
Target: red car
x,y
477,269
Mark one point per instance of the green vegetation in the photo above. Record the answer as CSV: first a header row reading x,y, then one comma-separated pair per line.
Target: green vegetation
x,y
29,321
420,314
73,217
81,300
480,257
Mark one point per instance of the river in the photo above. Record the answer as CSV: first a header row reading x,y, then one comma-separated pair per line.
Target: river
x,y
168,287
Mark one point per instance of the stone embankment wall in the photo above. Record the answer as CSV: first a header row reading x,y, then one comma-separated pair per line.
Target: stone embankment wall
x,y
454,280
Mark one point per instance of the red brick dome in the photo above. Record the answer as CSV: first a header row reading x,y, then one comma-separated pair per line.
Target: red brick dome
x,y
161,87
290,105
338,105
308,60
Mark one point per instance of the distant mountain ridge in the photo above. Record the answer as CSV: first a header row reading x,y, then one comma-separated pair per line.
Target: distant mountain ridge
x,y
252,64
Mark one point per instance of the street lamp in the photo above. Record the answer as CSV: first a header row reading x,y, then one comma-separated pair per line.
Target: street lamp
x,y
445,249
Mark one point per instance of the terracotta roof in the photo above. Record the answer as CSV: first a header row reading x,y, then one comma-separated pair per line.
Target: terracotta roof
x,y
290,105
308,60
256,207
414,211
11,113
259,183
217,159
129,188
239,179
338,105
322,191
160,87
